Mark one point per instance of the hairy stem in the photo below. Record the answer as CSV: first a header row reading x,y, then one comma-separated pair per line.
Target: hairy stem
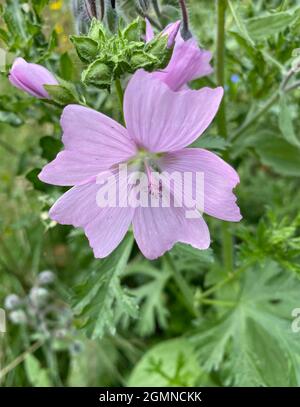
x,y
185,20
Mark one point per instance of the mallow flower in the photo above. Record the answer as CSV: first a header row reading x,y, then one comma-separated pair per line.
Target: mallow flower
x,y
160,124
188,61
31,78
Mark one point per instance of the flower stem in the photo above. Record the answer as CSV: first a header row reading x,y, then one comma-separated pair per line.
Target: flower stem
x,y
227,247
184,288
120,94
185,20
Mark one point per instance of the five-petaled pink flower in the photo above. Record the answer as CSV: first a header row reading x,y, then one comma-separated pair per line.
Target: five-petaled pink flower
x,y
188,61
159,123
31,78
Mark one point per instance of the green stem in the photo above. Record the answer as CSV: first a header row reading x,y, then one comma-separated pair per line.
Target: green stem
x,y
220,58
227,247
120,94
184,288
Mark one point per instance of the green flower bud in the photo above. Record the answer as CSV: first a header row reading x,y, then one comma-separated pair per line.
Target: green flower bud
x,y
98,74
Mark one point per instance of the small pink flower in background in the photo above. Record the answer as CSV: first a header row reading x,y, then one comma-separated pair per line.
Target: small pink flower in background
x,y
160,124
188,61
31,78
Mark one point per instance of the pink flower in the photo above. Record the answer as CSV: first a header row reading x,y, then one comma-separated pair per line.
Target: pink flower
x,y
160,124
188,61
31,78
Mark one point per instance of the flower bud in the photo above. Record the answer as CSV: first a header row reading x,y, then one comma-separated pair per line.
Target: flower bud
x,y
171,31
38,296
12,302
46,277
31,78
18,317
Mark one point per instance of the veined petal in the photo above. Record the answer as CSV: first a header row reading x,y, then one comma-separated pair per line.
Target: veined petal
x,y
93,143
156,230
219,180
108,229
105,227
161,120
74,168
93,133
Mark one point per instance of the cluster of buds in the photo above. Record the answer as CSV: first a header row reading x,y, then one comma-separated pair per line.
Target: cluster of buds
x,y
41,312
109,56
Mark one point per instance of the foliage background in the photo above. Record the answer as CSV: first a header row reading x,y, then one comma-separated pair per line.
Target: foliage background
x,y
184,319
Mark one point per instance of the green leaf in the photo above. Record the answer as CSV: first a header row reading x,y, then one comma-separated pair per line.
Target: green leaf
x,y
66,67
50,146
150,296
211,142
62,94
277,153
286,123
170,363
100,302
32,176
36,375
86,47
255,336
261,28
240,23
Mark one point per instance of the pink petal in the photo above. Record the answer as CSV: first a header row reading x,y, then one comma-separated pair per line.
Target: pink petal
x,y
76,207
156,230
104,227
31,78
219,180
160,120
93,143
149,31
188,62
108,229
95,134
74,168
171,31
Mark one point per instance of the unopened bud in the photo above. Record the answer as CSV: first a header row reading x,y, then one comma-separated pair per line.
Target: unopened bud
x,y
46,277
18,317
38,296
171,31
12,301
